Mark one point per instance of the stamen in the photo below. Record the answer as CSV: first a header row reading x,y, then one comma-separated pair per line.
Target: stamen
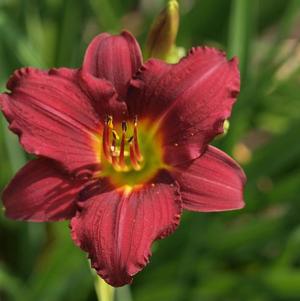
x,y
122,146
124,126
135,141
114,154
115,135
135,164
106,138
110,121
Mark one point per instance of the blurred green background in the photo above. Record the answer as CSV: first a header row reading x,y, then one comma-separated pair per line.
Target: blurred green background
x,y
252,254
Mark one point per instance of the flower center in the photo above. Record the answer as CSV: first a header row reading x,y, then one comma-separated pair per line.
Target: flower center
x,y
116,150
133,156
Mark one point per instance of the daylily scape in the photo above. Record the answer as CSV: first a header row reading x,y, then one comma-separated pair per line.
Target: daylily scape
x,y
122,147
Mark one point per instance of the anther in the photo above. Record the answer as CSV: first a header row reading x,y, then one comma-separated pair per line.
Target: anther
x,y
110,121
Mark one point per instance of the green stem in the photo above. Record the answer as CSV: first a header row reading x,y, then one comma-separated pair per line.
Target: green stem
x,y
104,291
123,293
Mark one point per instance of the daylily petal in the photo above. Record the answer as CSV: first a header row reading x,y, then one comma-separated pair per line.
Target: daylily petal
x,y
40,192
101,92
52,116
189,101
67,73
117,228
115,58
103,95
213,182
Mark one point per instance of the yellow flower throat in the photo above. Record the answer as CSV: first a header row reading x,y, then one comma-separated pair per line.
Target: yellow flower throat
x,y
132,158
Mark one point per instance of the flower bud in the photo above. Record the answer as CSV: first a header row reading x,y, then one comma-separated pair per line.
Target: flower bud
x,y
163,32
175,54
226,126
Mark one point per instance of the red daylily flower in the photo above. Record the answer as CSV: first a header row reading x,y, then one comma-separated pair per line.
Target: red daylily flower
x,y
122,148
